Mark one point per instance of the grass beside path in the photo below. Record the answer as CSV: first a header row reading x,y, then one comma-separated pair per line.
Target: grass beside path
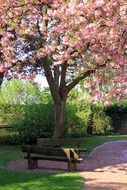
x,y
94,141
32,181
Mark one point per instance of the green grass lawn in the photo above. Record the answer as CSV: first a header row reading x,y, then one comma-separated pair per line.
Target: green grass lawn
x,y
32,181
28,181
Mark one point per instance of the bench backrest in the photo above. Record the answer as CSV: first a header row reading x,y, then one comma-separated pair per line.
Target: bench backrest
x,y
62,152
48,142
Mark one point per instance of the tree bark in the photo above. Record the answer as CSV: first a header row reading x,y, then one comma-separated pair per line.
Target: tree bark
x,y
60,116
1,78
59,90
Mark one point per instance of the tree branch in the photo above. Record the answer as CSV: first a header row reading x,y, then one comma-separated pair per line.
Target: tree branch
x,y
63,76
1,78
78,79
48,73
38,28
57,75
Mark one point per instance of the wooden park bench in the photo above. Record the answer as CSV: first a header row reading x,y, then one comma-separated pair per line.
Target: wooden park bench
x,y
35,153
64,143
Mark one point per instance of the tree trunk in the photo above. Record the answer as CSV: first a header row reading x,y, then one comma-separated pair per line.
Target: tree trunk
x,y
1,78
59,119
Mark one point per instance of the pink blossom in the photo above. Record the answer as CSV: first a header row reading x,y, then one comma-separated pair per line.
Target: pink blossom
x,y
99,3
98,14
87,34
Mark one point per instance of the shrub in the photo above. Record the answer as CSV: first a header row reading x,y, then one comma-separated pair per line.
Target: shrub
x,y
35,117
33,121
31,115
78,115
116,112
101,123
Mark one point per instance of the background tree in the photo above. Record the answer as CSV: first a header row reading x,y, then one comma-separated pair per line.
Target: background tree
x,y
17,92
70,40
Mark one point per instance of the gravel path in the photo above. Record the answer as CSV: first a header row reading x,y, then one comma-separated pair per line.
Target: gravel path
x,y
108,169
104,169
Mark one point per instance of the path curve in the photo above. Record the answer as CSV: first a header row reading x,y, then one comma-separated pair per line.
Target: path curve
x,y
108,169
104,169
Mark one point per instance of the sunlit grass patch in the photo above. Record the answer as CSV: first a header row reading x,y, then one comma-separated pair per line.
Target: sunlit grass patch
x,y
33,181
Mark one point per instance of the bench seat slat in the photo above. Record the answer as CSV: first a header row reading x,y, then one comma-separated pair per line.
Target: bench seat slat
x,y
61,152
43,142
54,158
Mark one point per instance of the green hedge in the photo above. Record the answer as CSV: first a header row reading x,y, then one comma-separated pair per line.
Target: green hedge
x,y
35,118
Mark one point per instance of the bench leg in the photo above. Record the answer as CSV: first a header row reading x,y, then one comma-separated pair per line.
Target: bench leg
x,y
72,166
32,164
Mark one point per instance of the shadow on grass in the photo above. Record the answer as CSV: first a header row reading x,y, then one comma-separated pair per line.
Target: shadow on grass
x,y
23,181
32,181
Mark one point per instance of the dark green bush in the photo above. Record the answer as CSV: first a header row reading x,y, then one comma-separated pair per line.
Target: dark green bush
x,y
116,112
33,121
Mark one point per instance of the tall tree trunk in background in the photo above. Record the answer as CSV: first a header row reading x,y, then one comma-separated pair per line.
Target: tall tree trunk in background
x,y
1,78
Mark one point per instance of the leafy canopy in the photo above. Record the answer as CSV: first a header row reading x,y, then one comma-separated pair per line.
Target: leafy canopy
x,y
88,36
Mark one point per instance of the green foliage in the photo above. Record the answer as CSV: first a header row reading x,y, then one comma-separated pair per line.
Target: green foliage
x,y
10,138
116,112
32,116
82,118
19,92
6,113
78,115
34,121
101,123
